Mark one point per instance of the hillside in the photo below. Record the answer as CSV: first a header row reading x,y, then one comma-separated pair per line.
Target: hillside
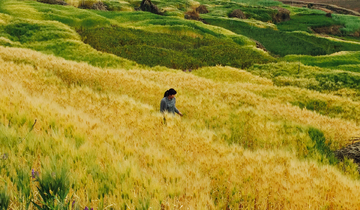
x,y
266,104
349,4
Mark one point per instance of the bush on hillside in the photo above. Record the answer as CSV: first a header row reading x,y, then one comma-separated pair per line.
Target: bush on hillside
x,y
237,14
148,6
202,9
281,15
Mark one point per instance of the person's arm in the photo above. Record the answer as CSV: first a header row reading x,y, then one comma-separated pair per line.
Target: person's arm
x,y
176,110
162,106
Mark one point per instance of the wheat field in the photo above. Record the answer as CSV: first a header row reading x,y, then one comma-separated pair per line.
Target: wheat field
x,y
103,128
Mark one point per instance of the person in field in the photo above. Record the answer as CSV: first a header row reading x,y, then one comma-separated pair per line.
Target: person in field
x,y
168,102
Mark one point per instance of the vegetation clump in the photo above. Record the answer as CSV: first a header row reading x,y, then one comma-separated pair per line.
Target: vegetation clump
x,y
202,9
237,14
148,6
193,15
281,15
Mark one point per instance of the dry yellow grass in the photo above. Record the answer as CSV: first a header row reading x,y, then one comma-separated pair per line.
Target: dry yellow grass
x,y
182,165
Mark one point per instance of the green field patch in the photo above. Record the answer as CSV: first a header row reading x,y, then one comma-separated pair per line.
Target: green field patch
x,y
301,22
26,32
261,13
351,23
55,38
314,78
69,15
284,43
19,9
349,60
179,52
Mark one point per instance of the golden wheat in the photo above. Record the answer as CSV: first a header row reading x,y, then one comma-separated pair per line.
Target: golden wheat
x,y
184,164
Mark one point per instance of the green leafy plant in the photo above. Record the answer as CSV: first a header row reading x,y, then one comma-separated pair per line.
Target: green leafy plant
x,y
53,187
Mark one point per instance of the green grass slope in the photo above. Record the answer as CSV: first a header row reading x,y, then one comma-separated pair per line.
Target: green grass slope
x,y
171,50
51,37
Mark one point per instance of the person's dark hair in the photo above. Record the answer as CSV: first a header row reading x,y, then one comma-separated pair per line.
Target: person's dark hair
x,y
169,92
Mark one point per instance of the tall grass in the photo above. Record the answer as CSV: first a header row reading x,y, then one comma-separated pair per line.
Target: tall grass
x,y
200,160
99,140
351,22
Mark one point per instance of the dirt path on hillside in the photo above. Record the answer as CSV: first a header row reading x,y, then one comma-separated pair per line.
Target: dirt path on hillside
x,y
324,6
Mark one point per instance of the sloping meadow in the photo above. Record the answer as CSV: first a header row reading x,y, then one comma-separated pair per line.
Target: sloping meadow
x,y
99,135
76,135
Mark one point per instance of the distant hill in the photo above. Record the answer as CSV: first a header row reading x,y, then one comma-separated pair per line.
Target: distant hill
x,y
349,4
